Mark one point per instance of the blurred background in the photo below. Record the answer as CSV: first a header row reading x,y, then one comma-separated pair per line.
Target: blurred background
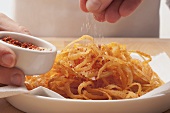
x,y
46,25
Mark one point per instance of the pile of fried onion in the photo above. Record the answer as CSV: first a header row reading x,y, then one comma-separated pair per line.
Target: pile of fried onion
x,y
86,70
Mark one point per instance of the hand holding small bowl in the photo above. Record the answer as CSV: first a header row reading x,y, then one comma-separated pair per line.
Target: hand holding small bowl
x,y
31,60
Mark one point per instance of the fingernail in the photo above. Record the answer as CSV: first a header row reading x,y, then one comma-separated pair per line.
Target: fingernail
x,y
17,80
8,60
93,5
24,30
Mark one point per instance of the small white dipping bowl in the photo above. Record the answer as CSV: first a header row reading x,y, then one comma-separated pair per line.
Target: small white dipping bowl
x,y
31,62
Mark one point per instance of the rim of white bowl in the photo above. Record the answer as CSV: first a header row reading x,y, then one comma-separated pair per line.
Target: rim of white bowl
x,y
52,47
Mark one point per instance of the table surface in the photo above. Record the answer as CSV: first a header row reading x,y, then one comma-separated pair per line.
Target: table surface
x,y
151,46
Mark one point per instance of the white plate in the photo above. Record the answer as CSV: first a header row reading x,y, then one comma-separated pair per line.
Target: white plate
x,y
39,104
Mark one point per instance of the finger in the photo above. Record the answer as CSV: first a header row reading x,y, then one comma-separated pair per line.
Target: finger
x,y
7,24
128,6
99,16
112,13
97,6
7,56
83,5
11,76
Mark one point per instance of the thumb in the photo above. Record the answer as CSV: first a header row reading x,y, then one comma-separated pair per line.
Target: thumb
x,y
7,57
8,74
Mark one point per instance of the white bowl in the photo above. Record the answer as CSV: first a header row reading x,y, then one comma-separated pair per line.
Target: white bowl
x,y
31,62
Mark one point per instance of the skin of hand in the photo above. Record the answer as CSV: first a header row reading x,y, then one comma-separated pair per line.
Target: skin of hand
x,y
109,10
9,75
